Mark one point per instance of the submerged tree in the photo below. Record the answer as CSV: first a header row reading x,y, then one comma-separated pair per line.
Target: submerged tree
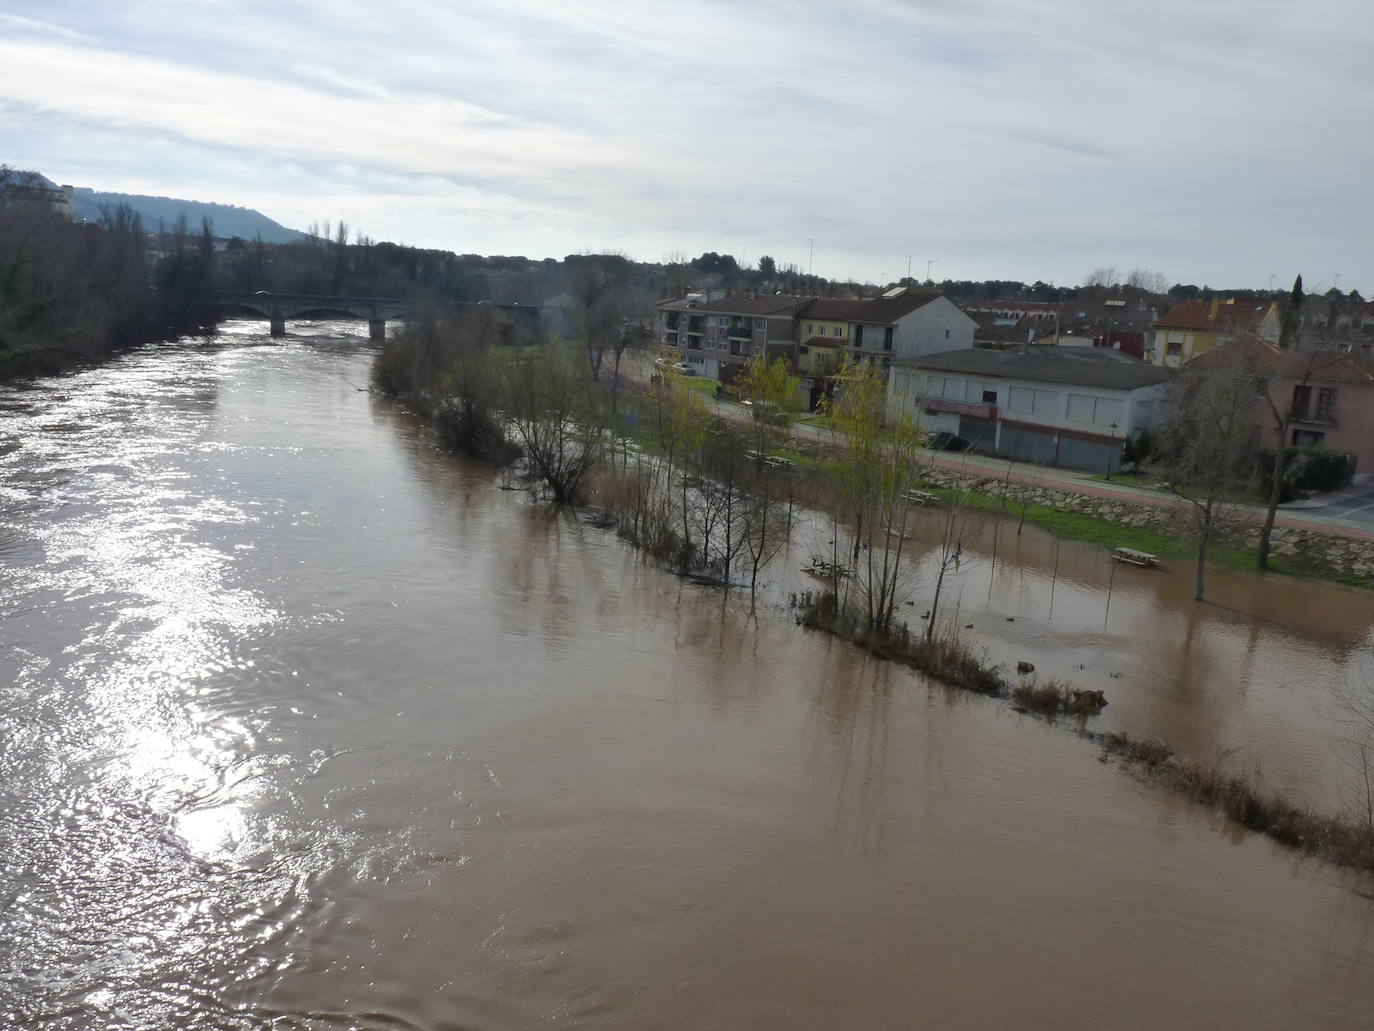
x,y
882,457
557,416
774,397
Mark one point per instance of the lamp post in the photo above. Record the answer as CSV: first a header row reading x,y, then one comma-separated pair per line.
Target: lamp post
x,y
1109,450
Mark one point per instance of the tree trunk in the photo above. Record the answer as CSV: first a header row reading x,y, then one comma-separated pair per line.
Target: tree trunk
x,y
1200,581
1275,492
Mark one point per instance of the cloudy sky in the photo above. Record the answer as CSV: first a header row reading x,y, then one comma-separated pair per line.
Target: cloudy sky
x,y
1212,140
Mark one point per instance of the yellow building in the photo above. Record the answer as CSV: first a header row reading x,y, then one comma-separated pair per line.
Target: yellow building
x,y
823,332
1195,327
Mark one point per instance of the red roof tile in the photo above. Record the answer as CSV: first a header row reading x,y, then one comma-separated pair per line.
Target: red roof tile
x,y
1198,315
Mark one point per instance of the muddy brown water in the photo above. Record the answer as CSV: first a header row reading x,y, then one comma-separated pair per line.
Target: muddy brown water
x,y
306,725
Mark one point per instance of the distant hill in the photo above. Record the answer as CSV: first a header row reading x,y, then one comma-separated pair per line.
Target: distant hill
x,y
229,220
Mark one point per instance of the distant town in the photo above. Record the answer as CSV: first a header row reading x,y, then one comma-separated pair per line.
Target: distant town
x,y
1066,376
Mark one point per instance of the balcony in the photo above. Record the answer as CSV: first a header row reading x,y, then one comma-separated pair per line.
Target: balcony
x,y
1321,417
739,333
975,409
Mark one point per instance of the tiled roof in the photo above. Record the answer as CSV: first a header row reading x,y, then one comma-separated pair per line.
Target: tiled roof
x,y
890,309
1072,366
830,309
1270,360
1198,315
745,304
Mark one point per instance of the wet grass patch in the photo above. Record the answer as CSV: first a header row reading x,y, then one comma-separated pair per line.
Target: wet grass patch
x,y
1056,698
945,658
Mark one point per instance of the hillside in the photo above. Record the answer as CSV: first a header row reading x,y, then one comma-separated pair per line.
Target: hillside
x,y
229,220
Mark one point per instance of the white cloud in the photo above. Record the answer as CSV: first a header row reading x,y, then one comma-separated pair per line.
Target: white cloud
x,y
1008,139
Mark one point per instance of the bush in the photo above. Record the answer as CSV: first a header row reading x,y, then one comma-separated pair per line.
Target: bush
x,y
1318,469
1307,469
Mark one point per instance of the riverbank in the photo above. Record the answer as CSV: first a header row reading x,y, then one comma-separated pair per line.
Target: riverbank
x,y
636,501
1116,523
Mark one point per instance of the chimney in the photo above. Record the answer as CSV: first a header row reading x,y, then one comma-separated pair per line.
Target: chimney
x,y
1216,302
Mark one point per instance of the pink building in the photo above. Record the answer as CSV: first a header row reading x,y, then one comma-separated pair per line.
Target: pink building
x,y
1329,396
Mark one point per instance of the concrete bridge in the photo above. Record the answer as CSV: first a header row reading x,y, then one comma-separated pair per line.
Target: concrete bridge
x,y
278,308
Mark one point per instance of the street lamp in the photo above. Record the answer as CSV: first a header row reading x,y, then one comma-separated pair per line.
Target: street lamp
x,y
1109,450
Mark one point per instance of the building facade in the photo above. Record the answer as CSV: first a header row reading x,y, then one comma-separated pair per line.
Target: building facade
x,y
1073,407
1193,328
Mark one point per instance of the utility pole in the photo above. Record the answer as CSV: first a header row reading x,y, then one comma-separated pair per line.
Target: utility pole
x,y
929,263
811,255
1271,282
908,268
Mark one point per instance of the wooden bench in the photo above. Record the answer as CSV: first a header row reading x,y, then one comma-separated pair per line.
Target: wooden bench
x,y
920,497
1135,558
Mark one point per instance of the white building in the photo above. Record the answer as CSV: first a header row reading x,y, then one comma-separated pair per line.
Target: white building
x,y
1074,407
906,323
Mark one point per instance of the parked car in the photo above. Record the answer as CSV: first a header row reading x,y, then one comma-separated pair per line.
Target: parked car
x,y
684,369
662,363
946,441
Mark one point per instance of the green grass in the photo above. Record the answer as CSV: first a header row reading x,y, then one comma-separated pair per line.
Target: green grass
x,y
820,422
1095,530
702,385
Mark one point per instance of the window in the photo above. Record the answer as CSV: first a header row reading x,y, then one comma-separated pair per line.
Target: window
x,y
1308,438
946,334
1080,408
1326,404
989,396
694,342
887,339
1302,398
758,323
1174,347
1101,411
858,336
837,331
810,329
1046,402
1022,399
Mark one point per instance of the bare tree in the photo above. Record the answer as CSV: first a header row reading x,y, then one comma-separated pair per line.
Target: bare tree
x,y
600,286
1297,369
1149,282
1205,453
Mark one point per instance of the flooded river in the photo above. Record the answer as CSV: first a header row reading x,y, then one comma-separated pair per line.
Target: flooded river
x,y
306,725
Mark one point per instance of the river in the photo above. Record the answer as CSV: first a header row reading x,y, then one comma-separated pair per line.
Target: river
x,y
307,725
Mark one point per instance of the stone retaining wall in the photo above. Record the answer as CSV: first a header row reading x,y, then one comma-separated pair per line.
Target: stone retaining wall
x,y
1346,556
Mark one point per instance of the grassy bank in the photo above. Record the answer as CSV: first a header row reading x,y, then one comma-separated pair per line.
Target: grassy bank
x,y
1107,534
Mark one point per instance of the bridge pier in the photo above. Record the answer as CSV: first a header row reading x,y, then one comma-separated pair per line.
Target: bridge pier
x,y
277,323
376,328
